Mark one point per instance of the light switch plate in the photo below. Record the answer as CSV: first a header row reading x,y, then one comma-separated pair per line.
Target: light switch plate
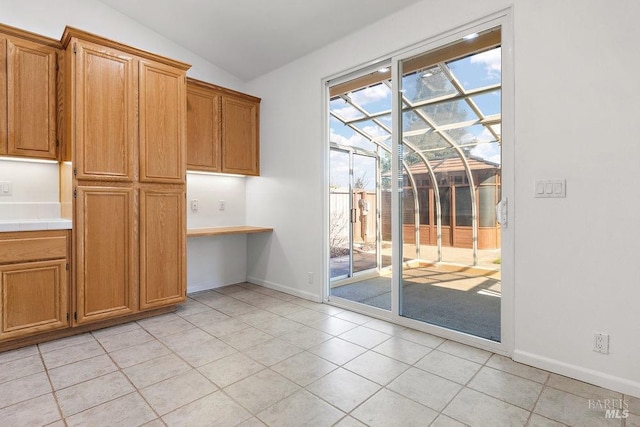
x,y
550,188
6,188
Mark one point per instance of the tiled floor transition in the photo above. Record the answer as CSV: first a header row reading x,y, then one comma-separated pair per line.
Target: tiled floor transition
x,y
250,356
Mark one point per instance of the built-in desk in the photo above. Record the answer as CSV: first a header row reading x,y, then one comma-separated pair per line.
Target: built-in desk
x,y
218,261
218,231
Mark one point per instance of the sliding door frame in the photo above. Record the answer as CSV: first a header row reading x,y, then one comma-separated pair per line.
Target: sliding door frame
x,y
504,20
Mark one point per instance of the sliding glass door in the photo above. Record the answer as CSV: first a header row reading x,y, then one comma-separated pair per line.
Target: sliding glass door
x,y
359,204
451,140
353,220
416,169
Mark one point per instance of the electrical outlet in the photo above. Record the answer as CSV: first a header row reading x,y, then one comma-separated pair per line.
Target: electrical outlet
x,y
310,278
601,343
221,205
194,205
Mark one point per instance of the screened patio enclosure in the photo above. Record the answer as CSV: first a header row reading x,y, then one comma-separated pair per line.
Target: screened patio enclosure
x,y
450,179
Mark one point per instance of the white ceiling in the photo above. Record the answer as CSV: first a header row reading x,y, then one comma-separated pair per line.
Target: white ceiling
x,y
249,38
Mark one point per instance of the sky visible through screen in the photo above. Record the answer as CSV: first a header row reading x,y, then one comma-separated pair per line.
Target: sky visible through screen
x,y
472,72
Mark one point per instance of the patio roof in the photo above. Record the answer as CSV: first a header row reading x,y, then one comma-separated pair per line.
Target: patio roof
x,y
450,118
454,165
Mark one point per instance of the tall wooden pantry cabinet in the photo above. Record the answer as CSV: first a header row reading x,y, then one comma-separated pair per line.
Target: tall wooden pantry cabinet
x,y
125,135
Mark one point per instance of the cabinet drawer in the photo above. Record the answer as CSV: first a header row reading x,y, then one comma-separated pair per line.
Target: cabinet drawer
x,y
32,248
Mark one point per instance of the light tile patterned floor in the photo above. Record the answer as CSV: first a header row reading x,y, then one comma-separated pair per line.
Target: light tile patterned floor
x,y
250,356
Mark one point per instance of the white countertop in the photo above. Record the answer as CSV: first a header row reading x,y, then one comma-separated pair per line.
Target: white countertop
x,y
35,224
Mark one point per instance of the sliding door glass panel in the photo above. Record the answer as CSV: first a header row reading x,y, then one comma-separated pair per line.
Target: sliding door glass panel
x,y
339,215
385,208
450,121
364,201
360,196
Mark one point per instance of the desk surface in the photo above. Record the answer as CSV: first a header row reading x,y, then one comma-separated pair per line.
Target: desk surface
x,y
217,231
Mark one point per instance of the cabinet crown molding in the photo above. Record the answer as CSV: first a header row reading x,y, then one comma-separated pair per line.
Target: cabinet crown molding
x,y
191,82
71,32
27,35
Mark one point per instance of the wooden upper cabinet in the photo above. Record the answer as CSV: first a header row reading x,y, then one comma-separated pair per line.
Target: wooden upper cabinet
x,y
28,94
222,130
129,115
162,123
162,247
3,96
105,121
106,258
240,146
31,95
203,129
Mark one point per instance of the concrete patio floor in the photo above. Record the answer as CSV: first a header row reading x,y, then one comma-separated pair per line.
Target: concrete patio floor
x,y
450,294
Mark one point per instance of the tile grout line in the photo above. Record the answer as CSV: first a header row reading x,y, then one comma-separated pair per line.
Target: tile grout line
x,y
193,368
381,387
121,370
301,388
53,390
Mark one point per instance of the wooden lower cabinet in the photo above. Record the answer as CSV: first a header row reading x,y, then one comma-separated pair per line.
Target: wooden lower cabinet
x,y
129,258
34,283
35,298
162,247
106,260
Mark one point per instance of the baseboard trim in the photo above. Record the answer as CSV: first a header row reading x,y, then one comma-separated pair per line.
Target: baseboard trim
x,y
590,376
199,287
286,289
204,287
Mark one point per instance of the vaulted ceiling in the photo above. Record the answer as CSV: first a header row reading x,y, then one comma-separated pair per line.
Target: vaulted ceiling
x,y
249,38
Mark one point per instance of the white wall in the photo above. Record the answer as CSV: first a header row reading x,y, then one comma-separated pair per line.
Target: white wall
x,y
35,190
577,268
220,260
576,86
49,18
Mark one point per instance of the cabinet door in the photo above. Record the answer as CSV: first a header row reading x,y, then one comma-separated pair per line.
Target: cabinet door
x,y
105,113
31,99
203,129
162,123
240,144
3,96
35,298
106,253
162,247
